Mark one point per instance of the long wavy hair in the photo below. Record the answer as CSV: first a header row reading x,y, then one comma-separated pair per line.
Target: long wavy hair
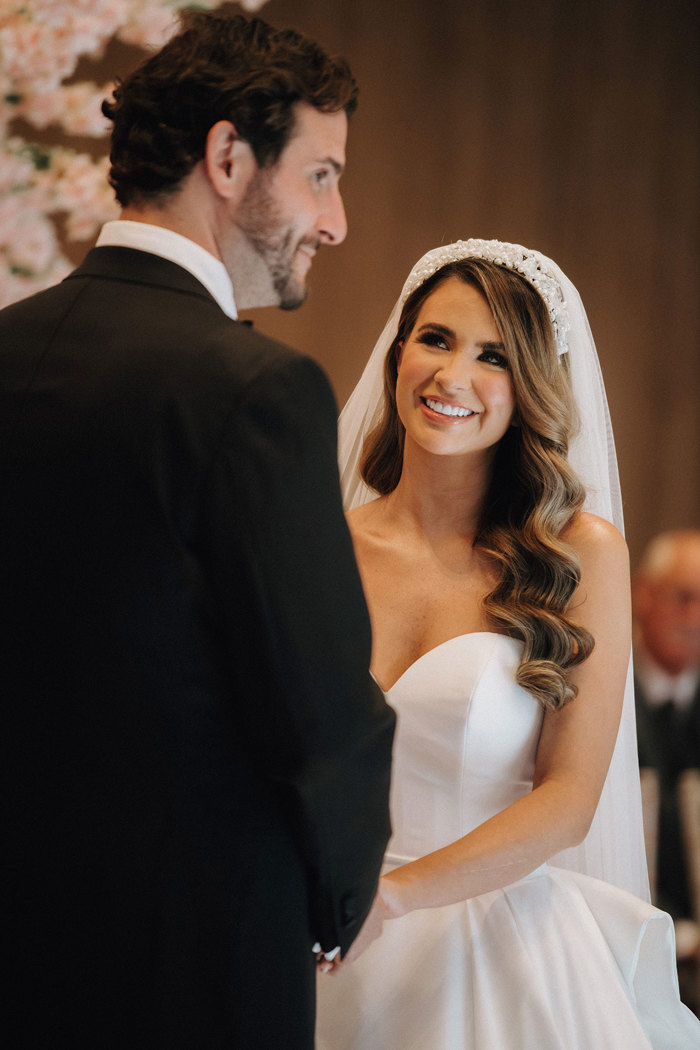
x,y
533,493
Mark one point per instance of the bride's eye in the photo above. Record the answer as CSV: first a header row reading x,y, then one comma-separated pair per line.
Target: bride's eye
x,y
433,338
493,357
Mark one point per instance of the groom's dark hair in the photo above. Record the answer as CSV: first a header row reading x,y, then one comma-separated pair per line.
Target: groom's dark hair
x,y
216,68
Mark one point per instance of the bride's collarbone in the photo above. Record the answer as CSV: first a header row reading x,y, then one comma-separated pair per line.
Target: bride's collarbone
x,y
455,563
426,586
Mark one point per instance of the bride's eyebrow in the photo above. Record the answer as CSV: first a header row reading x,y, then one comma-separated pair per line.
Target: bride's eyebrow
x,y
442,329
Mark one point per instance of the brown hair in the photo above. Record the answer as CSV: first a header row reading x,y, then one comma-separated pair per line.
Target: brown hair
x,y
533,493
216,68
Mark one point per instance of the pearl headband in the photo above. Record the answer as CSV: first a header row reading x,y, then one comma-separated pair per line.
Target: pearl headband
x,y
530,264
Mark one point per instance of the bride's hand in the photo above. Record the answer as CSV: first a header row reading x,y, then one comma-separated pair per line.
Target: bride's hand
x,y
371,930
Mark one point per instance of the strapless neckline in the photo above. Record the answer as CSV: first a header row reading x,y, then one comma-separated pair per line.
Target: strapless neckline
x,y
439,649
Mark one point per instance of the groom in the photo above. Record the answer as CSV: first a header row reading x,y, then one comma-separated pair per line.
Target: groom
x,y
196,761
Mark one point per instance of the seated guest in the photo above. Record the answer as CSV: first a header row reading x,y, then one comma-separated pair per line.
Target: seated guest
x,y
666,605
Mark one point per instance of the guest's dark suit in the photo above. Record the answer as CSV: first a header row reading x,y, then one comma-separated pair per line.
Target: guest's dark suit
x,y
196,761
668,740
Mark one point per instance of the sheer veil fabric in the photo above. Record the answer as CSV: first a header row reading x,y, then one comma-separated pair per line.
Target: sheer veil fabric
x,y
613,850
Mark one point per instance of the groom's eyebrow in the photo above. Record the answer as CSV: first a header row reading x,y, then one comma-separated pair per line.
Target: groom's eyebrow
x,y
338,168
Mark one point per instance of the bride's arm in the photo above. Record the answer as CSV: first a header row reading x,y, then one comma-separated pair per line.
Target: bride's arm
x,y
573,755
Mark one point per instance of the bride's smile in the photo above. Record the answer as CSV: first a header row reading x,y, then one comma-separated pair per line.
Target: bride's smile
x,y
445,409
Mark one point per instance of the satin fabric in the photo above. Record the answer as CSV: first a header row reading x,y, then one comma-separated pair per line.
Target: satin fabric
x,y
558,960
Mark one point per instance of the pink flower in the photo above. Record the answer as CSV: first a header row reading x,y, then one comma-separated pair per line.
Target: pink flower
x,y
76,107
149,27
16,167
28,239
41,42
15,286
82,191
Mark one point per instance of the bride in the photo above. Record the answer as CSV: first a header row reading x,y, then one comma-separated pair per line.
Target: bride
x,y
478,461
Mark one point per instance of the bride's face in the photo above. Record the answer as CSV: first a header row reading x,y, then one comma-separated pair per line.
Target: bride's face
x,y
454,391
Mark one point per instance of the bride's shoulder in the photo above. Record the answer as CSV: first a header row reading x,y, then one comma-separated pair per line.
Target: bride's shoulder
x,y
366,524
363,518
595,537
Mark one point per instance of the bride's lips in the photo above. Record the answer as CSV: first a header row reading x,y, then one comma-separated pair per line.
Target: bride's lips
x,y
445,411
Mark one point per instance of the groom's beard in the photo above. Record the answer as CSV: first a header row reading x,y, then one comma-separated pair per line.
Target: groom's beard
x,y
276,242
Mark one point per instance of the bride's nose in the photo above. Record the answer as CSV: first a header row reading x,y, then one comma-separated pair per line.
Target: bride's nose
x,y
455,373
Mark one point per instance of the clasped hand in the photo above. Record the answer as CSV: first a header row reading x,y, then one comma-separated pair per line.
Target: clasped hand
x,y
371,930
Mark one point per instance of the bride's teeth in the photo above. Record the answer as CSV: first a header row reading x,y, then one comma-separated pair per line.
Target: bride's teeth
x,y
447,410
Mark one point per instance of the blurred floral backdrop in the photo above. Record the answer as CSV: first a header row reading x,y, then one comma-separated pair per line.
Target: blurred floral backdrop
x,y
50,193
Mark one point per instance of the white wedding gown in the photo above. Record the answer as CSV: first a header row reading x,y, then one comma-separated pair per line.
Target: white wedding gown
x,y
556,961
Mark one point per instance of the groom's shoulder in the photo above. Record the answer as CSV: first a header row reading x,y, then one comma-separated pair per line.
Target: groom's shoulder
x,y
266,364
247,353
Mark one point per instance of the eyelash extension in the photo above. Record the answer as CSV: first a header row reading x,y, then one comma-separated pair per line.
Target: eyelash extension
x,y
501,359
432,338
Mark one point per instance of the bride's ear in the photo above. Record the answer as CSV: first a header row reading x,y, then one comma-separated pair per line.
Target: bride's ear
x,y
398,351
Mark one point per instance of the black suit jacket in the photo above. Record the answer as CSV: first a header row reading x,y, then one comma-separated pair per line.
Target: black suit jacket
x,y
668,740
196,760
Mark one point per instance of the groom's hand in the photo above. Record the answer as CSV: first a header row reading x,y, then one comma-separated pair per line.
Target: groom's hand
x,y
371,930
325,960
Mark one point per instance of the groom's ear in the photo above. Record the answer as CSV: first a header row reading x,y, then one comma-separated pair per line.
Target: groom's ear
x,y
229,161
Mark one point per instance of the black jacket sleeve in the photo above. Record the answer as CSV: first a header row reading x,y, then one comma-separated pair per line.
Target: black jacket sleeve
x,y
279,548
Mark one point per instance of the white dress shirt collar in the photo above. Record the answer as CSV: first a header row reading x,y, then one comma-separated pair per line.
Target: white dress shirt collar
x,y
660,686
158,240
